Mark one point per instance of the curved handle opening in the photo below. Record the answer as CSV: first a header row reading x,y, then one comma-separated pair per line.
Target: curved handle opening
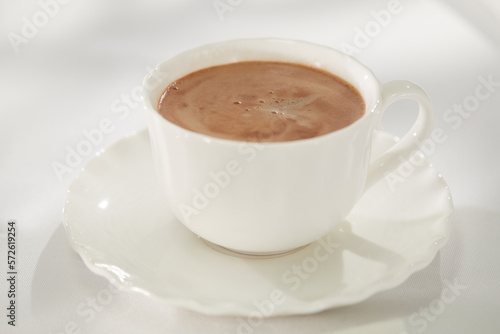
x,y
410,143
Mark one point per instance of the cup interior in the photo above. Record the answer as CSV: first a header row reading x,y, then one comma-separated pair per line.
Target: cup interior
x,y
291,51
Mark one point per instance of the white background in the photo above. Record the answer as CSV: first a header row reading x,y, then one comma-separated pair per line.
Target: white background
x,y
83,62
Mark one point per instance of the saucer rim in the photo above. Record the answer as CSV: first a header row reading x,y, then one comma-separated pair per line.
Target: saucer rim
x,y
233,308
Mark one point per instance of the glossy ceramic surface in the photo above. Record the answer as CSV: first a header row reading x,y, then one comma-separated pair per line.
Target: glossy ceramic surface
x,y
116,220
277,196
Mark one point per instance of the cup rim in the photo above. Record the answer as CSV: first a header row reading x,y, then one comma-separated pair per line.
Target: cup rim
x,y
368,75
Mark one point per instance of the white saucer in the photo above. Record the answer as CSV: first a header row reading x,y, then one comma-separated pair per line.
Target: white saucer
x,y
116,219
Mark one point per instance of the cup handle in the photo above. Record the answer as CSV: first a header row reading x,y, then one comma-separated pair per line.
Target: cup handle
x,y
390,160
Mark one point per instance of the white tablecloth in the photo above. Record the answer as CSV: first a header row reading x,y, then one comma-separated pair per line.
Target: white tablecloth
x,y
66,65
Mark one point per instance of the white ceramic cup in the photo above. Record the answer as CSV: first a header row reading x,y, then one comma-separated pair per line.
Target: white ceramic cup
x,y
267,198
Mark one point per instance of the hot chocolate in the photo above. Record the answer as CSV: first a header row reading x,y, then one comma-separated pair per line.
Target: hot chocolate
x,y
261,101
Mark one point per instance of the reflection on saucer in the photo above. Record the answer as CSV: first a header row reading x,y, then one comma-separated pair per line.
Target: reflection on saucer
x,y
390,234
255,256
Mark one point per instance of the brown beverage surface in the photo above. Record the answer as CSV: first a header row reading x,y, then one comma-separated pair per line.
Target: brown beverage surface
x,y
261,101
